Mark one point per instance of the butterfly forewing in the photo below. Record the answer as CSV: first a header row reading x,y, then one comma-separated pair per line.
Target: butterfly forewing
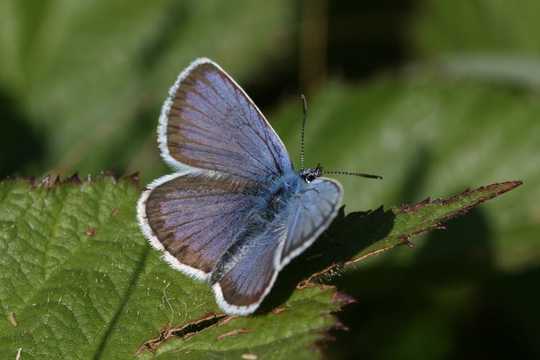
x,y
210,123
311,213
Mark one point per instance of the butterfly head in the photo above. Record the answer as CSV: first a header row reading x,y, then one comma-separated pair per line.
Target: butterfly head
x,y
310,174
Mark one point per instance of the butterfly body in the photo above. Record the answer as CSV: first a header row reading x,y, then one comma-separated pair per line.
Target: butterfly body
x,y
235,212
282,190
270,213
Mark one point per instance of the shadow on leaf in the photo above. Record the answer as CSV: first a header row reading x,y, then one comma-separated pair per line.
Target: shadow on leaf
x,y
347,236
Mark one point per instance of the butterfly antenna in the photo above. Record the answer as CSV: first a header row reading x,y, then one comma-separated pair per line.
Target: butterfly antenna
x,y
369,176
304,108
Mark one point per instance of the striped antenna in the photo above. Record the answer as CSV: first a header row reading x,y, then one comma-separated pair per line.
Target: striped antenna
x,y
369,176
304,107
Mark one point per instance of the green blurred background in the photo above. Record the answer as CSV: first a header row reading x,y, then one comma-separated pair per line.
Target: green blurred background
x,y
435,95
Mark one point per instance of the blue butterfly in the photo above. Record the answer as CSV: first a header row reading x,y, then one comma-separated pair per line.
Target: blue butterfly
x,y
236,211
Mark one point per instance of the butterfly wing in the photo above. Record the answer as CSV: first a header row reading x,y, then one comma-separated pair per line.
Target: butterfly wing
x,y
225,151
311,213
213,133
194,218
209,122
242,289
245,285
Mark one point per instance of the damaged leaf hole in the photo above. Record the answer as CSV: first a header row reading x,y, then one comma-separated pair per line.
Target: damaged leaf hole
x,y
184,331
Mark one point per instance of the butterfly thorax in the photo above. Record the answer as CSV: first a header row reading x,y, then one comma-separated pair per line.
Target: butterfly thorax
x,y
280,191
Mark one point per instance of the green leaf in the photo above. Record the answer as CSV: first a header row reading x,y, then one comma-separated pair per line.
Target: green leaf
x,y
430,214
290,331
78,280
78,277
365,234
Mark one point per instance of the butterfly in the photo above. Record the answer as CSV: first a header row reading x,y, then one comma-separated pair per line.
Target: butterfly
x,y
236,211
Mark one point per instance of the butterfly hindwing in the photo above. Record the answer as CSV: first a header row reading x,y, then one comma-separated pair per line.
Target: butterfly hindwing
x,y
209,122
194,217
310,211
245,285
